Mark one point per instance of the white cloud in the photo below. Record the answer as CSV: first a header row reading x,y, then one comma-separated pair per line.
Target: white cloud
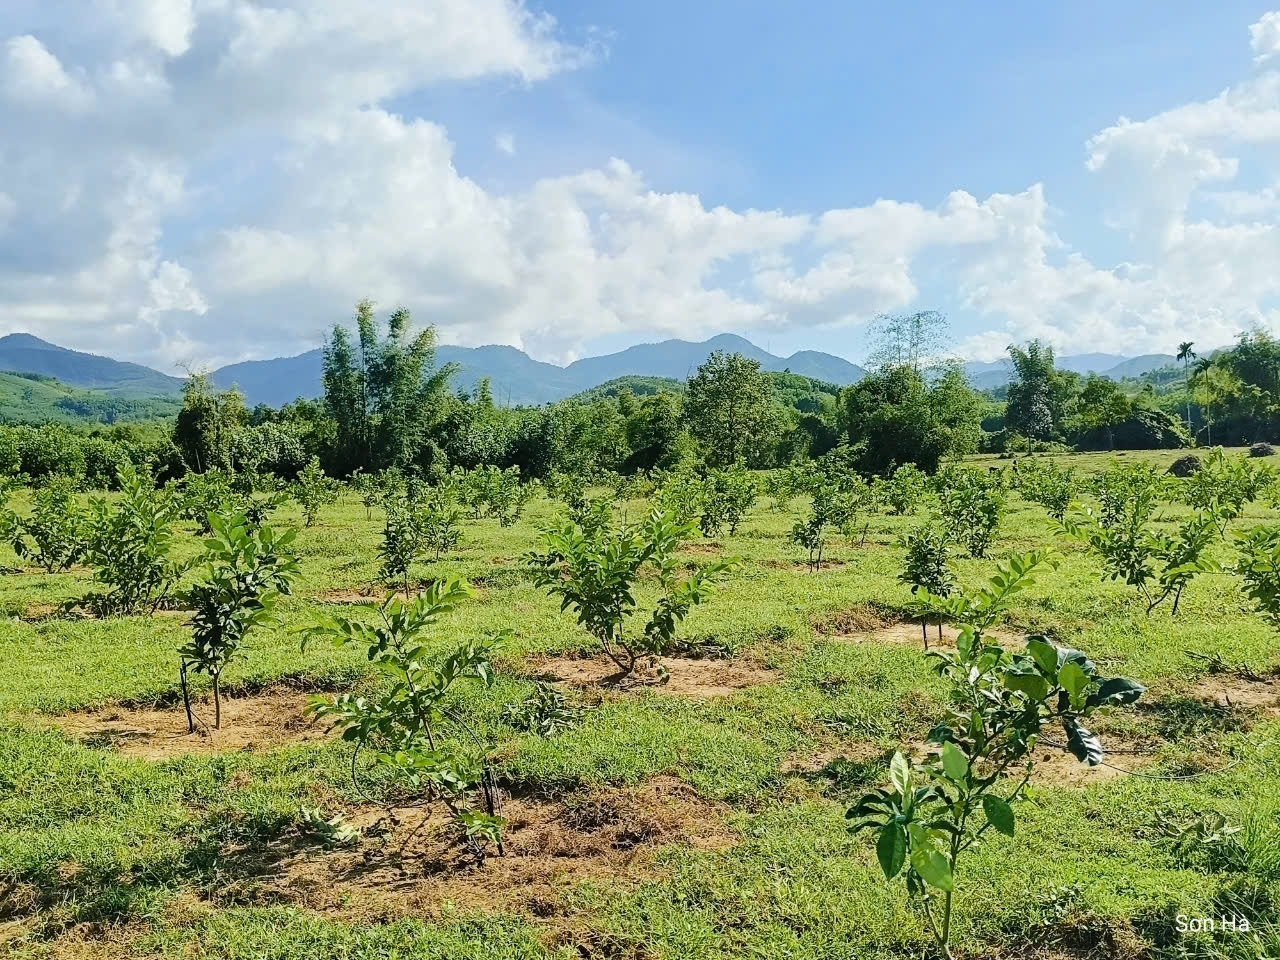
x,y
33,76
242,179
1264,36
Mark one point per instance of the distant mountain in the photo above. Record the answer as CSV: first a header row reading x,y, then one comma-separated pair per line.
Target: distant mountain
x,y
1137,366
988,376
516,378
23,353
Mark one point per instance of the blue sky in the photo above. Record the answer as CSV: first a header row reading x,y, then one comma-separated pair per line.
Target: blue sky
x,y
198,181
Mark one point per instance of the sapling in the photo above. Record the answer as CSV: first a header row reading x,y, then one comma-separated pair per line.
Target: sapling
x,y
934,811
970,505
406,726
1223,485
52,536
925,568
1132,551
594,572
726,497
401,544
130,544
1258,563
205,493
1045,483
313,490
679,493
833,509
246,569
437,525
905,489
569,487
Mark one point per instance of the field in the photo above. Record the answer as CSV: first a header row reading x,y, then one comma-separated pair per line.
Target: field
x,y
700,817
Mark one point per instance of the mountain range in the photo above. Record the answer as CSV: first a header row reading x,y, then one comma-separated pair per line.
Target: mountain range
x,y
515,377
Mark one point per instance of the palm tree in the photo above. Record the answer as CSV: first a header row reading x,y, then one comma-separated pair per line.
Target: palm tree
x,y
1186,355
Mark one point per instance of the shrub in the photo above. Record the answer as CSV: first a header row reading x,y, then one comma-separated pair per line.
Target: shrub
x,y
52,537
313,490
404,726
970,505
925,567
933,812
726,497
1185,466
130,543
246,569
595,572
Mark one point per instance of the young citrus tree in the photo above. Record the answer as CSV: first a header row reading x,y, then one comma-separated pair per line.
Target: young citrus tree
x,y
246,569
52,536
925,569
594,571
130,544
313,490
934,811
406,726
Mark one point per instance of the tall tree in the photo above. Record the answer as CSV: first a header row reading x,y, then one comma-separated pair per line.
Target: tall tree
x,y
384,393
894,416
207,423
1040,395
914,340
730,411
1186,355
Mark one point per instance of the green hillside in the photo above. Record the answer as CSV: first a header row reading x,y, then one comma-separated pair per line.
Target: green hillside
x,y
34,398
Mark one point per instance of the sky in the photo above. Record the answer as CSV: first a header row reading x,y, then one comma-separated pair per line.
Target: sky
x,y
188,183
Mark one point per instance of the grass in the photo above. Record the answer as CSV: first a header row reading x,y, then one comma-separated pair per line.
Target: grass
x,y
106,853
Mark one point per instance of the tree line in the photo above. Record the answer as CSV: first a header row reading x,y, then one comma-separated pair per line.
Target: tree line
x,y
387,404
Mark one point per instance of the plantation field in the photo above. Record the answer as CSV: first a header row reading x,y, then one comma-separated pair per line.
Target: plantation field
x,y
697,811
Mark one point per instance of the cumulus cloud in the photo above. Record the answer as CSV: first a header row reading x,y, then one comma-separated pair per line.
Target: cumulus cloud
x,y
212,180
1264,36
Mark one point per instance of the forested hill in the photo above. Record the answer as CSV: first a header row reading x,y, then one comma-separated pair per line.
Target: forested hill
x,y
516,379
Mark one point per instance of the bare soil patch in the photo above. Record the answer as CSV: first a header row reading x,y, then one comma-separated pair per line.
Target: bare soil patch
x,y
408,860
682,676
910,634
260,722
1232,690
1053,766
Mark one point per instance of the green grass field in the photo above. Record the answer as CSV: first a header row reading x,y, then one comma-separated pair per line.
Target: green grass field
x,y
678,821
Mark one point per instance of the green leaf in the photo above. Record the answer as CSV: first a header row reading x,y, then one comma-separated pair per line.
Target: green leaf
x,y
954,763
900,773
1032,684
1117,691
1073,679
932,866
1084,746
891,849
1044,654
999,813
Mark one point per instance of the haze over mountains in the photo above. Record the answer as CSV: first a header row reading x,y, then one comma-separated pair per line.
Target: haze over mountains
x,y
515,377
